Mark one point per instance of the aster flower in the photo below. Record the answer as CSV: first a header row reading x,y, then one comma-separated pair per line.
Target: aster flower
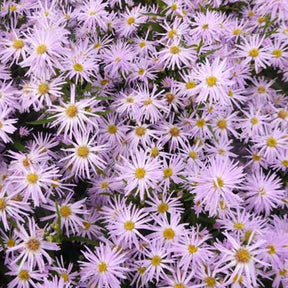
x,y
141,172
176,55
6,124
32,248
263,192
214,79
243,259
69,214
103,267
127,224
73,116
252,50
217,182
83,157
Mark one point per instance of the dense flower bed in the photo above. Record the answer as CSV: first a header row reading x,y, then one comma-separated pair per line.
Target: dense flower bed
x,y
143,143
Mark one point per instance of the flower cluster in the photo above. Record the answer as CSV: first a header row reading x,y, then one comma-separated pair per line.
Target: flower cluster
x,y
143,143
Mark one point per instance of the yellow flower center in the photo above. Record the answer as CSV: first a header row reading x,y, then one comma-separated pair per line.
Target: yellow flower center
x,y
18,44
41,49
97,45
193,155
170,97
141,71
156,260
192,249
254,53
283,272
140,131
237,32
32,178
238,226
10,242
218,183
147,102
167,172
254,121
65,211
285,162
3,204
174,131
141,270
174,49
130,100
24,275
222,124
129,225
261,89
78,67
142,44
43,88
242,255
83,151
130,20
200,123
112,129
163,207
236,278
104,82
174,6
102,267
271,142
33,244
65,276
71,111
171,33
256,157
140,173
86,225
282,114
261,19
205,26
210,282
190,85
211,81
271,249
13,8
154,152
277,53
168,233
179,285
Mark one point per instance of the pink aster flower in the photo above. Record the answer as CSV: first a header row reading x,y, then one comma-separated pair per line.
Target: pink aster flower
x,y
216,183
263,192
214,80
103,267
6,124
84,156
141,172
32,247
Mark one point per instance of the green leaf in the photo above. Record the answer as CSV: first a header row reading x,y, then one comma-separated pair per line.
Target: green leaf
x,y
19,146
41,121
82,240
103,113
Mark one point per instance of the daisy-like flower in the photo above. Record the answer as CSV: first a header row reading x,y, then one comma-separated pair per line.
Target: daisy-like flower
x,y
6,124
193,249
216,183
141,172
166,231
243,259
252,50
176,55
263,192
32,248
127,224
14,48
10,208
25,276
214,79
92,14
271,143
33,183
157,260
104,267
84,156
73,116
69,212
54,283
